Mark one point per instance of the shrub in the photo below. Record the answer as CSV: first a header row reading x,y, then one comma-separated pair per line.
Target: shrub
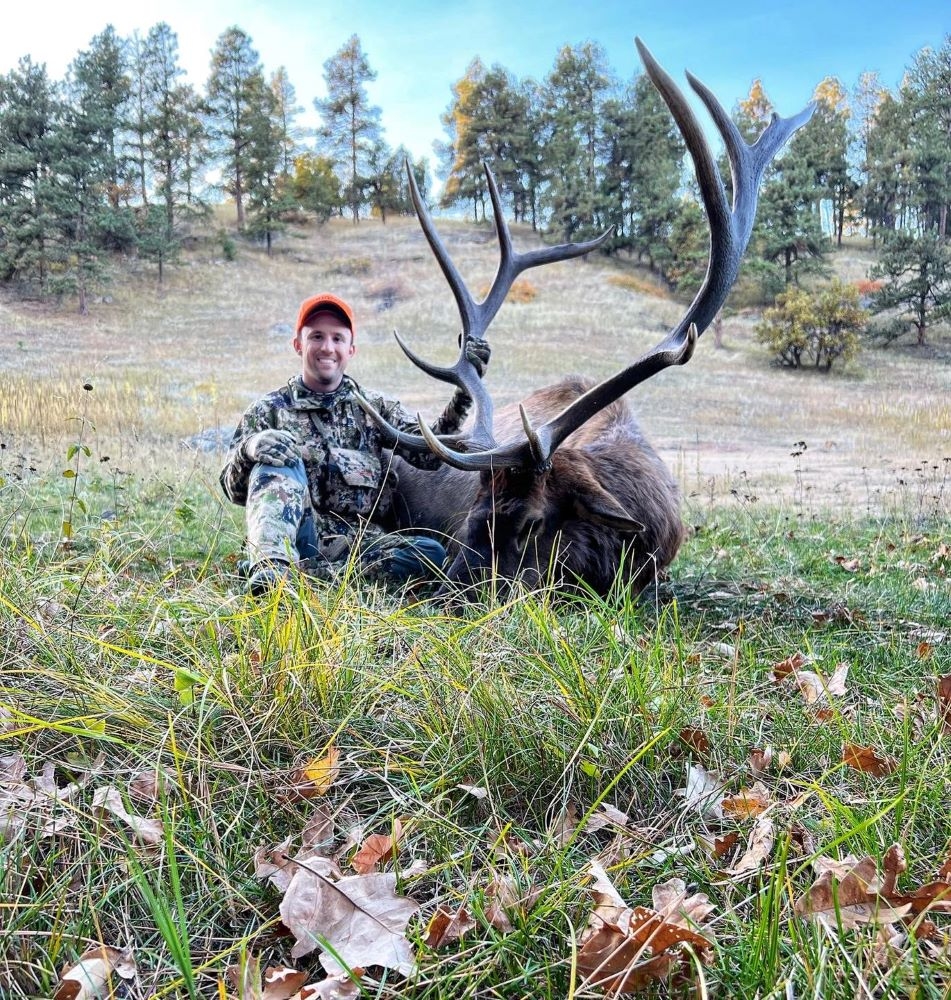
x,y
814,328
635,283
522,291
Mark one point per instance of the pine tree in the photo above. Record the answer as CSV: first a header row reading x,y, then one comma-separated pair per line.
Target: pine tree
x,y
573,95
351,125
917,284
234,102
30,116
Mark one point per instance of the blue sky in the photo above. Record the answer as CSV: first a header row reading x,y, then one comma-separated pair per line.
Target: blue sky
x,y
420,47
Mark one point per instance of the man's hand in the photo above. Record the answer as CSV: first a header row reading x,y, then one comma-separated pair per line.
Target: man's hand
x,y
478,353
272,447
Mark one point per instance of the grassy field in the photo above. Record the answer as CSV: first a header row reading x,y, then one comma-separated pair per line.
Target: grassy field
x,y
495,801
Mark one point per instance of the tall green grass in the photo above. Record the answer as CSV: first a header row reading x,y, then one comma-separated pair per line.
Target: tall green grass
x,y
131,646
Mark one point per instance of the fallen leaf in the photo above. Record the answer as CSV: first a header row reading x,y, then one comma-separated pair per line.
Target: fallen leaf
x,y
758,847
564,824
377,849
605,815
695,739
759,760
748,802
109,800
719,847
703,792
944,702
624,950
790,665
360,917
505,895
850,893
849,565
446,927
868,760
476,791
90,977
316,777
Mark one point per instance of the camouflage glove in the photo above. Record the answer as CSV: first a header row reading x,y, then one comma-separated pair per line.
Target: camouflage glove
x,y
478,353
272,447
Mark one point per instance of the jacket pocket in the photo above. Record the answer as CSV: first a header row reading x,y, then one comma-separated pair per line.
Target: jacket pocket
x,y
354,481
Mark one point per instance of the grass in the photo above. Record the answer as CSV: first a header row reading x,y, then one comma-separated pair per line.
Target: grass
x,y
494,732
133,649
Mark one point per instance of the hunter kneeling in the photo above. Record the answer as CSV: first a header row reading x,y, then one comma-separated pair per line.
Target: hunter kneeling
x,y
307,463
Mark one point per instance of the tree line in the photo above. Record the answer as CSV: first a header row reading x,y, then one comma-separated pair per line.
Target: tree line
x,y
116,159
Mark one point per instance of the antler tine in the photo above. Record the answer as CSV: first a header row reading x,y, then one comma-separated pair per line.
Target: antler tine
x,y
475,317
730,230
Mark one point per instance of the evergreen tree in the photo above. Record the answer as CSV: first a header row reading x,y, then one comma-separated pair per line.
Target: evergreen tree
x,y
30,116
235,94
285,110
888,191
929,94
643,160
169,113
574,92
351,125
867,97
269,190
917,291
100,77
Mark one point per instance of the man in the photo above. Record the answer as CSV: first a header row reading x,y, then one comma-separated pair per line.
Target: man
x,y
308,464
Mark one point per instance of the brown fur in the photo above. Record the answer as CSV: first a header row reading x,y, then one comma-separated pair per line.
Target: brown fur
x,y
568,524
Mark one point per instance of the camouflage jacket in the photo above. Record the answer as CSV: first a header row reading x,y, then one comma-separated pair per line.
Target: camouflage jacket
x,y
341,447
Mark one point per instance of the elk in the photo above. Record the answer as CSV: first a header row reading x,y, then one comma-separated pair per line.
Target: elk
x,y
564,487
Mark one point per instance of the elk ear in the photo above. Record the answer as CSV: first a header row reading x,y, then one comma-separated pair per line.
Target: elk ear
x,y
597,505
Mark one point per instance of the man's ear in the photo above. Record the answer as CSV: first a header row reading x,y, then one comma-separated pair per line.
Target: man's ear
x,y
295,343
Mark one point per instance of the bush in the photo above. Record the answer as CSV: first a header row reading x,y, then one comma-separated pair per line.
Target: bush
x,y
522,291
814,328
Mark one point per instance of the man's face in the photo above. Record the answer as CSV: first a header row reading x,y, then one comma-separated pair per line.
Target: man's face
x,y
325,345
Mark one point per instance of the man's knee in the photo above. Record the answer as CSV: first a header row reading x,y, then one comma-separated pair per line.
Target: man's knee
x,y
404,558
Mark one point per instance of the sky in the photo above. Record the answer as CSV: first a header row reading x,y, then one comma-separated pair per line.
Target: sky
x,y
419,48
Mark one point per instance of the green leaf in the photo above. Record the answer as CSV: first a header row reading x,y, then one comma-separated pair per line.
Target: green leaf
x,y
69,474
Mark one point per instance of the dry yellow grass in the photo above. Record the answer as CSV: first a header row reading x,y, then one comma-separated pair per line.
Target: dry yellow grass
x,y
169,361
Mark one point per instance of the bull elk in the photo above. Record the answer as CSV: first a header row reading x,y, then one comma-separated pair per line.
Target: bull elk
x,y
565,487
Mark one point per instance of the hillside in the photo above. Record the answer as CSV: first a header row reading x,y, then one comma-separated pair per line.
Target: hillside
x,y
168,362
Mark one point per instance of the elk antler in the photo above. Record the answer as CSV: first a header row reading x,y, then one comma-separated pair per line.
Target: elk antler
x,y
730,229
476,316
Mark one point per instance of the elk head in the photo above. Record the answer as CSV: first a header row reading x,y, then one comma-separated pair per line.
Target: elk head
x,y
534,500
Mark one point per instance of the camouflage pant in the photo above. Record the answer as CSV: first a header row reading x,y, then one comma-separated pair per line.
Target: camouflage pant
x,y
281,528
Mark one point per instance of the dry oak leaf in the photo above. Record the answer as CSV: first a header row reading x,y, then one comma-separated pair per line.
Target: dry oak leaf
x,y
703,792
109,800
944,702
605,815
790,665
868,760
446,927
758,847
359,917
850,893
376,850
278,982
695,739
747,802
624,950
90,977
719,847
